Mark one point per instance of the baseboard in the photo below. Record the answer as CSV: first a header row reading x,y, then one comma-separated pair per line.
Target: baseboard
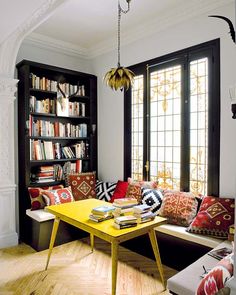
x,y
8,240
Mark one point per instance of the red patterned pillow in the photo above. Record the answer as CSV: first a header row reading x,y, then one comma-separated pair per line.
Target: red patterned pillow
x,y
134,188
36,198
59,196
120,190
216,278
214,217
83,185
179,207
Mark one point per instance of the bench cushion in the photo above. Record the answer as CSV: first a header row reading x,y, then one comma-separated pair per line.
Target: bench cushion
x,y
186,281
39,215
180,232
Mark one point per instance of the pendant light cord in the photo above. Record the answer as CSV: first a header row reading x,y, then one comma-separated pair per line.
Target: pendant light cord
x,y
120,10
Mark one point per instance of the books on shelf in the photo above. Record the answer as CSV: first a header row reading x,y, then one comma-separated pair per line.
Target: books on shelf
x,y
220,253
46,105
56,129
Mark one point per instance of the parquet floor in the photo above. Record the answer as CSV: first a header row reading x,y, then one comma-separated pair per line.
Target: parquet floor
x,y
74,269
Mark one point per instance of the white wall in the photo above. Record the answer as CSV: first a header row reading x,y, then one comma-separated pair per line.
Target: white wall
x,y
52,57
110,111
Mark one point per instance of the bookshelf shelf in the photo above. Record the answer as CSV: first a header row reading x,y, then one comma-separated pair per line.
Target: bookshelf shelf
x,y
39,102
56,160
58,138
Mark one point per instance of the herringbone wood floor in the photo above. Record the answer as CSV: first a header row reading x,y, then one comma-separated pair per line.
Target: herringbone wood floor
x,y
74,269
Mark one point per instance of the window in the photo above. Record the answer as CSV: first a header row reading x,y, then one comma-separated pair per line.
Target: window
x,y
172,120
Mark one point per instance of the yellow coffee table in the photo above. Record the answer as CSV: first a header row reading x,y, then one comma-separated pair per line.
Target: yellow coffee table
x,y
77,214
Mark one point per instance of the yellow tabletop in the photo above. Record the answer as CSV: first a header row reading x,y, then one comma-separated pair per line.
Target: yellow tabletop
x,y
77,214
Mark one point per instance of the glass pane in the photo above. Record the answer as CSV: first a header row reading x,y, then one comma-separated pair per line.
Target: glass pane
x,y
198,126
166,122
137,128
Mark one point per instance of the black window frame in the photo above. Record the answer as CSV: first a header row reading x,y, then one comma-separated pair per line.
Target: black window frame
x,y
210,49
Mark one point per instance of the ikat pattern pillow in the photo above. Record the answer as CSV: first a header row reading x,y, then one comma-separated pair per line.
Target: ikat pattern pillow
x,y
216,278
83,185
152,197
214,217
59,196
105,190
36,198
134,188
179,208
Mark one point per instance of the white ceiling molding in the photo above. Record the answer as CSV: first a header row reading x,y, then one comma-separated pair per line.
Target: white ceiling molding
x,y
45,42
177,15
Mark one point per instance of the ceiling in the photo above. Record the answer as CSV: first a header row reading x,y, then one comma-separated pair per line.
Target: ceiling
x,y
89,27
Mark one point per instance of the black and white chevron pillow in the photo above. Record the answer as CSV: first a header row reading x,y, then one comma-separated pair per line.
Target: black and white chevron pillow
x,y
152,197
105,190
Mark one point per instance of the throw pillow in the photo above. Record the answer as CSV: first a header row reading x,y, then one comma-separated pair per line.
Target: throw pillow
x,y
214,217
216,278
120,190
105,190
134,188
83,185
35,193
59,196
179,208
153,198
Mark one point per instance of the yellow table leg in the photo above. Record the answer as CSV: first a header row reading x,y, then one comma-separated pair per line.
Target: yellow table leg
x,y
53,237
92,241
114,257
155,248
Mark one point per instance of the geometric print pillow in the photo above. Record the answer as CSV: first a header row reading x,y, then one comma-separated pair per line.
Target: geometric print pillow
x,y
36,198
83,185
105,190
59,196
214,217
179,207
153,198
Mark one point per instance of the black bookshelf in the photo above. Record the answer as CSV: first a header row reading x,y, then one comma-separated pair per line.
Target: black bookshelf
x,y
27,87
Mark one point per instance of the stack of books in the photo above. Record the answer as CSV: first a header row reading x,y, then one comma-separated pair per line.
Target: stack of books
x,y
101,213
124,203
143,213
125,221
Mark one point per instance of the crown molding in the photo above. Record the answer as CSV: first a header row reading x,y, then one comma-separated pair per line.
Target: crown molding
x,y
176,16
45,42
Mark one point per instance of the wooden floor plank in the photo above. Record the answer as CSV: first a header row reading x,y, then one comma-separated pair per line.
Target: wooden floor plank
x,y
75,270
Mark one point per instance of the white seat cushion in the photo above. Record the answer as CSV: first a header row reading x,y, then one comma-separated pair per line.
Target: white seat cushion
x,y
186,281
180,232
39,215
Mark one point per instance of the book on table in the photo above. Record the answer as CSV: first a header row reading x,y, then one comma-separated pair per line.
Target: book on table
x,y
126,219
121,226
145,217
101,218
141,208
103,210
220,253
125,201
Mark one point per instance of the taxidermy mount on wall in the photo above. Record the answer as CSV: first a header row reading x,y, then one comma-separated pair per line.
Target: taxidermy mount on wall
x,y
231,27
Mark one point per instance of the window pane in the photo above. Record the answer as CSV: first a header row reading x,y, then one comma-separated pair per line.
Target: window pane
x,y
137,128
198,126
166,123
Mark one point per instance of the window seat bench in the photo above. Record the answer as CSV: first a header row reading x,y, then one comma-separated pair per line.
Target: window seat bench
x,y
186,281
39,233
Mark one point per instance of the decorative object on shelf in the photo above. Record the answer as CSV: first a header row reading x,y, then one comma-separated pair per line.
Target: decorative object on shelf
x,y
120,77
232,94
